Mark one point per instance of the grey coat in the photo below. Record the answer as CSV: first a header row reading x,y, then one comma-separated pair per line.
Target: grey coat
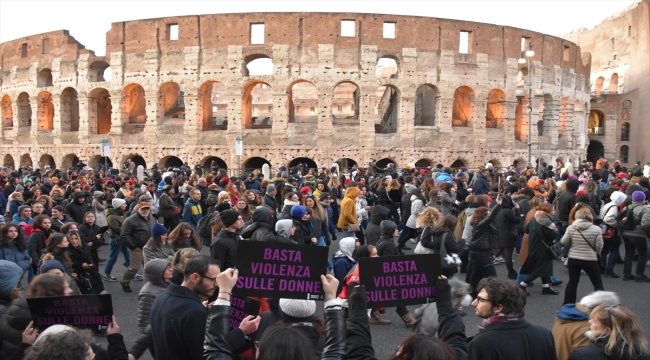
x,y
164,251
153,273
641,218
416,208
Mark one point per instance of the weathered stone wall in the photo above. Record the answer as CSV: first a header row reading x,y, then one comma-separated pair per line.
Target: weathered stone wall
x,y
161,101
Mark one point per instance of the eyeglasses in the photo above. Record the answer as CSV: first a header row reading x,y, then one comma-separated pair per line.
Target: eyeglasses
x,y
609,313
479,299
214,280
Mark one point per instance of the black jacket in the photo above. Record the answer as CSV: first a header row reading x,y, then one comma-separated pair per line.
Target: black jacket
x,y
224,248
524,341
386,246
262,228
567,200
485,236
303,233
17,317
36,244
596,351
136,231
505,221
432,238
270,201
377,215
89,234
481,186
77,210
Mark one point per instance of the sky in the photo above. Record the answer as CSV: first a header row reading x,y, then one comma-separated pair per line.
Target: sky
x,y
89,20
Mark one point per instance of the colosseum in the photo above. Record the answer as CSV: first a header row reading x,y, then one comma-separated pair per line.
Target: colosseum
x,y
312,87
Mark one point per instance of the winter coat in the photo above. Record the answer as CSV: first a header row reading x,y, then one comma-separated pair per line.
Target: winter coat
x,y
136,231
36,244
79,256
417,205
192,213
432,238
224,248
20,258
571,323
525,341
153,273
77,210
99,208
348,213
542,234
89,234
609,211
596,351
448,202
481,186
468,229
13,207
17,317
270,202
485,236
386,245
166,206
579,248
505,221
330,218
319,226
304,232
524,208
262,228
163,252
16,219
115,219
57,223
567,200
523,250
377,215
641,219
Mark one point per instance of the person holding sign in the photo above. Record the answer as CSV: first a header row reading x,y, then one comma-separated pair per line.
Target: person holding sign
x,y
224,247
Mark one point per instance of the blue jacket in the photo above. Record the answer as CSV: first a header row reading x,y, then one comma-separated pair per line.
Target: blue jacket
x,y
3,204
330,219
571,312
255,185
192,213
16,219
17,257
481,186
444,177
342,266
13,207
178,324
161,184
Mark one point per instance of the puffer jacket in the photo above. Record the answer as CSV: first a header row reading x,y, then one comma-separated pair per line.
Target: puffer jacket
x,y
641,219
20,258
115,219
432,238
166,206
36,244
524,207
164,251
485,235
348,208
153,273
77,210
417,205
579,249
262,228
468,229
609,211
377,215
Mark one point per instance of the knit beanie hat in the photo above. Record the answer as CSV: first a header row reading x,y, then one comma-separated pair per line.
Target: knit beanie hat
x,y
223,207
638,196
229,217
10,274
270,188
305,189
158,230
49,265
98,194
581,192
22,207
117,203
294,310
19,188
298,211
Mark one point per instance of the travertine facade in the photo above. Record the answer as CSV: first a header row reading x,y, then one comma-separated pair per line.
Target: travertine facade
x,y
619,123
434,97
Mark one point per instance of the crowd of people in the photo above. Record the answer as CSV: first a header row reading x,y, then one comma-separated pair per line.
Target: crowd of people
x,y
55,222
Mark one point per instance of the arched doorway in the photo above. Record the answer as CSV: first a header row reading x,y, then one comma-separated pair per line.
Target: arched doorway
x,y
47,160
257,64
309,163
137,160
213,106
45,114
98,159
383,163
387,68
463,107
70,160
496,109
26,160
134,105
9,162
423,163
97,71
171,101
254,163
345,101
207,162
257,105
595,150
346,163
596,122
170,161
24,110
7,112
495,163
386,109
44,78
303,102
427,110
458,164
69,110
99,111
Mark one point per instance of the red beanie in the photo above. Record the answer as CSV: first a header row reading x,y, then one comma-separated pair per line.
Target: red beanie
x,y
305,190
581,192
346,182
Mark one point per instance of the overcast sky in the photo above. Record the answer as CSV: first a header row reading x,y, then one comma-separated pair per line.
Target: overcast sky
x,y
88,21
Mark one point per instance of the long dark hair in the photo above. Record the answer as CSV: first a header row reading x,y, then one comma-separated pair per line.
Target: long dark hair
x,y
418,193
420,346
283,342
448,223
19,241
38,222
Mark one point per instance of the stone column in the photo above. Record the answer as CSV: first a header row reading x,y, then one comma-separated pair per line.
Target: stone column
x,y
234,109
191,128
406,123
508,120
33,102
446,110
366,111
325,97
56,132
280,112
116,113
84,117
154,116
478,116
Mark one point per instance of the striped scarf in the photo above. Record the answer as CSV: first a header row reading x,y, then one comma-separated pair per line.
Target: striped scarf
x,y
495,319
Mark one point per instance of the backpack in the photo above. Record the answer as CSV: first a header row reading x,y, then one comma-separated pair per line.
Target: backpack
x,y
204,228
625,219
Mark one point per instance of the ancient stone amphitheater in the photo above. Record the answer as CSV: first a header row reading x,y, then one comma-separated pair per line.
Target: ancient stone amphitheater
x,y
295,87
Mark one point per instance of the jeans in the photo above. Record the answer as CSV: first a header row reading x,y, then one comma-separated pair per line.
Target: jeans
x,y
610,247
482,267
592,270
520,238
560,231
321,242
407,233
639,244
349,234
114,254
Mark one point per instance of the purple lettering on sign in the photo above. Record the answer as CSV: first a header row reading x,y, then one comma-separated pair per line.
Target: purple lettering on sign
x,y
282,255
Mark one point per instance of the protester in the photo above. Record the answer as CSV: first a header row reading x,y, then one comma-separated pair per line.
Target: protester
x,y
157,273
87,277
10,275
136,231
183,236
91,234
115,218
637,238
158,246
14,248
539,262
224,247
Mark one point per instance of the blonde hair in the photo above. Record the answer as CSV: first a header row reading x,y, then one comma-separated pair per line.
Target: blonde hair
x,y
584,214
393,185
626,337
429,217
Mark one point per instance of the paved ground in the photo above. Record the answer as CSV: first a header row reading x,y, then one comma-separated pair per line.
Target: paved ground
x,y
540,309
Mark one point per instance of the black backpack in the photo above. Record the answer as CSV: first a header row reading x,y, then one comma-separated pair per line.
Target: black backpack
x,y
204,227
625,219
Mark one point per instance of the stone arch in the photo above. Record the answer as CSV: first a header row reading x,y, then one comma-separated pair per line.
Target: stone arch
x,y
458,163
44,78
595,150
311,164
613,84
213,106
257,105
625,131
463,107
521,110
382,163
98,159
134,105
25,160
387,104
427,105
254,163
97,70
99,111
387,67
8,162
624,154
24,110
598,89
69,160
496,163
171,102
69,110
345,101
596,123
170,161
257,64
302,102
45,114
137,159
47,160
207,162
346,163
423,163
7,113
519,162
497,109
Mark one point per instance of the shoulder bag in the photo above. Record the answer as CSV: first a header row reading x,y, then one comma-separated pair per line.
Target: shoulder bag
x,y
607,231
448,262
421,250
591,246
554,251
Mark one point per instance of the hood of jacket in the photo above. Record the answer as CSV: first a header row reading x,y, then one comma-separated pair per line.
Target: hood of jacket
x,y
618,197
79,194
572,185
409,187
283,227
153,271
572,312
581,224
262,215
114,211
10,274
414,198
352,192
378,214
506,202
387,229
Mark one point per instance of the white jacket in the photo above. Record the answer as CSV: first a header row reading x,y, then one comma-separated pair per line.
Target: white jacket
x,y
646,171
609,211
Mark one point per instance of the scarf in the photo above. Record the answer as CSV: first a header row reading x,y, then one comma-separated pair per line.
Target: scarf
x,y
496,318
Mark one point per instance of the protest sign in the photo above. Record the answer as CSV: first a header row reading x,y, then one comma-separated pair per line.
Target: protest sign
x,y
240,308
399,280
81,311
276,270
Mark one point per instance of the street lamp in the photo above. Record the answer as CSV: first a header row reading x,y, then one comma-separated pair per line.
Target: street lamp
x,y
529,110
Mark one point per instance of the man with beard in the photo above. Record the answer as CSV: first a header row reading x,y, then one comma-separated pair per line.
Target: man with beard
x,y
178,317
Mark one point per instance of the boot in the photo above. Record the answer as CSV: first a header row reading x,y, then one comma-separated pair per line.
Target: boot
x,y
549,291
512,274
524,290
409,320
610,273
376,319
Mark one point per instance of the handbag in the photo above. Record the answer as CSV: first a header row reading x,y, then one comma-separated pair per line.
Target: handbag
x,y
554,251
448,261
177,210
591,246
421,250
353,227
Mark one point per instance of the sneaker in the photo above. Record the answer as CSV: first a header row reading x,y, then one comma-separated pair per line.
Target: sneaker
x,y
557,283
647,263
549,291
138,277
611,273
524,290
413,241
641,278
109,278
126,288
499,260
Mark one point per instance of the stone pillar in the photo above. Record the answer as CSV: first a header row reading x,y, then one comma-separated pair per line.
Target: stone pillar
x,y
446,109
33,102
367,114
325,59
191,126
235,121
508,120
281,64
478,117
154,116
368,61
56,132
325,97
116,114
84,117
280,112
406,122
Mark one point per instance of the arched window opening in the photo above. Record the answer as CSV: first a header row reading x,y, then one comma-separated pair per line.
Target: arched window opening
x,y
346,163
463,107
521,119
213,106
69,110
495,163
70,161
423,163
137,160
383,163
254,163
625,132
345,102
497,109
96,160
387,68
598,89
257,106
171,100
134,109
303,102
613,84
24,110
44,78
386,110
7,113
9,162
627,110
258,64
99,111
26,160
624,154
458,164
306,162
596,123
99,71
47,160
170,162
45,111
211,161
426,106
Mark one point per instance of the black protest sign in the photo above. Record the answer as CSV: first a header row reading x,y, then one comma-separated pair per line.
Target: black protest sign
x,y
399,280
276,270
81,311
240,308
